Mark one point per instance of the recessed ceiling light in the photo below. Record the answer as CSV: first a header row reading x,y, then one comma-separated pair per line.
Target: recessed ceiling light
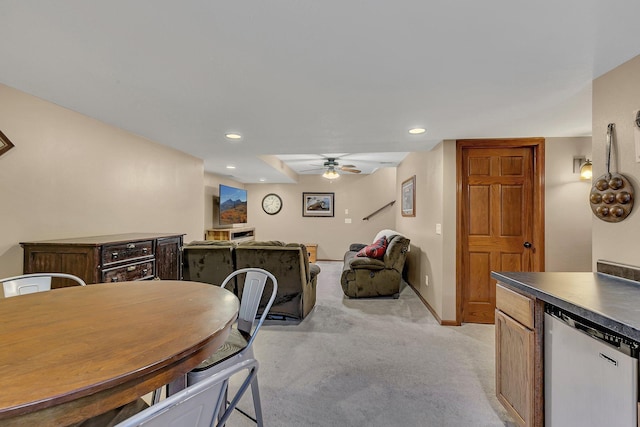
x,y
262,180
234,136
417,131
230,167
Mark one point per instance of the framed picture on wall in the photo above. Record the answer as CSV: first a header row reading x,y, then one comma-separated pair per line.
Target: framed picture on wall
x,y
409,197
5,144
317,204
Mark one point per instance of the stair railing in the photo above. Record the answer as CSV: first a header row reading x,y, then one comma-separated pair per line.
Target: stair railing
x,y
366,218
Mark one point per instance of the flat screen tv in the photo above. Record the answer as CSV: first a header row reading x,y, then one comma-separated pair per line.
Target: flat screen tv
x,y
233,205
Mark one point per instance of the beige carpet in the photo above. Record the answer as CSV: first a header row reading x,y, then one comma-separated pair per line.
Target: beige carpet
x,y
374,362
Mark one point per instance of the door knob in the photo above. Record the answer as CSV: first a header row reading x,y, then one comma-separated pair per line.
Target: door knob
x,y
527,245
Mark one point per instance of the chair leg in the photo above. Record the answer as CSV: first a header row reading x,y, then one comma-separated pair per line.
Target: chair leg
x,y
177,385
233,405
157,393
255,392
223,404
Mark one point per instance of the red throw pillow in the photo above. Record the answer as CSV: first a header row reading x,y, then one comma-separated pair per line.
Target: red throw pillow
x,y
375,250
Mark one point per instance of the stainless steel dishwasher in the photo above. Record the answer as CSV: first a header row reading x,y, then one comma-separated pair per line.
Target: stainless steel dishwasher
x,y
591,375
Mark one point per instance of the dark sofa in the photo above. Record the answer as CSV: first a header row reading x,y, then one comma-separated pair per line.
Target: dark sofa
x,y
289,263
208,261
212,261
370,277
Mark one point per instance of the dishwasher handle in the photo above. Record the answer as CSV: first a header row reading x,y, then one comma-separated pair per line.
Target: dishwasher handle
x,y
582,327
622,344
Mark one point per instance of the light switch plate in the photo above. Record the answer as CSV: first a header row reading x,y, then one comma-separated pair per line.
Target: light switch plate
x,y
636,134
438,228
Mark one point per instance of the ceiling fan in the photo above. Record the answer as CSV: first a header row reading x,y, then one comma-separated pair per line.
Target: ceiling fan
x,y
332,167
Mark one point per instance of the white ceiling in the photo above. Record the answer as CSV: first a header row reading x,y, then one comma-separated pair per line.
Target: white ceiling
x,y
307,164
303,77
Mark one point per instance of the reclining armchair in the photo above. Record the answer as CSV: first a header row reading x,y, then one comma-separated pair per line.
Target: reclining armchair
x,y
209,261
379,274
289,263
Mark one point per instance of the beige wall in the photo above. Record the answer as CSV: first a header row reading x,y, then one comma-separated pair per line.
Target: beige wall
x,y
425,256
567,211
72,176
359,194
616,99
432,254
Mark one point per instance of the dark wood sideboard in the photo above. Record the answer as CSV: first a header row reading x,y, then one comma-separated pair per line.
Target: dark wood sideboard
x,y
111,258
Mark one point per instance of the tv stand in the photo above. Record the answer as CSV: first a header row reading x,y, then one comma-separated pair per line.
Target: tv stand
x,y
235,234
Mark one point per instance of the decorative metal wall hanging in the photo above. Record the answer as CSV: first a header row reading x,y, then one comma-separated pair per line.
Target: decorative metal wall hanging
x,y
612,194
5,144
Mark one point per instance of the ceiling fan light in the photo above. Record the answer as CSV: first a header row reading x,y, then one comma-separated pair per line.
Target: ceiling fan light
x,y
331,174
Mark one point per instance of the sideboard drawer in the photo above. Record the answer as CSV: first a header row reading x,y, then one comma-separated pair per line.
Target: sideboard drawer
x,y
126,251
137,271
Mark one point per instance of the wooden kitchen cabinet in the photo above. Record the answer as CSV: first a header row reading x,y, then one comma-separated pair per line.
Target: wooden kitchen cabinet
x,y
111,258
519,364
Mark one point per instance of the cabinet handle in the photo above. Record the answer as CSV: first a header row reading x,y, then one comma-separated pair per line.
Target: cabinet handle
x,y
114,255
131,246
131,268
114,279
144,272
145,250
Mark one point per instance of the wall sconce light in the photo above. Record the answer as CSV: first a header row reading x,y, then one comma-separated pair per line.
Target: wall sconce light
x,y
583,166
586,170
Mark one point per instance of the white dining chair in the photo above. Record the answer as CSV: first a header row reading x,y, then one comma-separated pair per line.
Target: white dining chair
x,y
198,405
238,346
31,283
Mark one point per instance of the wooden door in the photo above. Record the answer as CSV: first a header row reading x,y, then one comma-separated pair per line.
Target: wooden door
x,y
500,218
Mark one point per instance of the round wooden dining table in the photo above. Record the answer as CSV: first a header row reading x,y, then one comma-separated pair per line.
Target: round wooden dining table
x,y
69,354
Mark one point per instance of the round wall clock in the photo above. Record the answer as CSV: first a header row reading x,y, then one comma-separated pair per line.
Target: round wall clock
x,y
271,203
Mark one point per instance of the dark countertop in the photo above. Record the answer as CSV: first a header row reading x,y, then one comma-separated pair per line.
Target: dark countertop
x,y
608,301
